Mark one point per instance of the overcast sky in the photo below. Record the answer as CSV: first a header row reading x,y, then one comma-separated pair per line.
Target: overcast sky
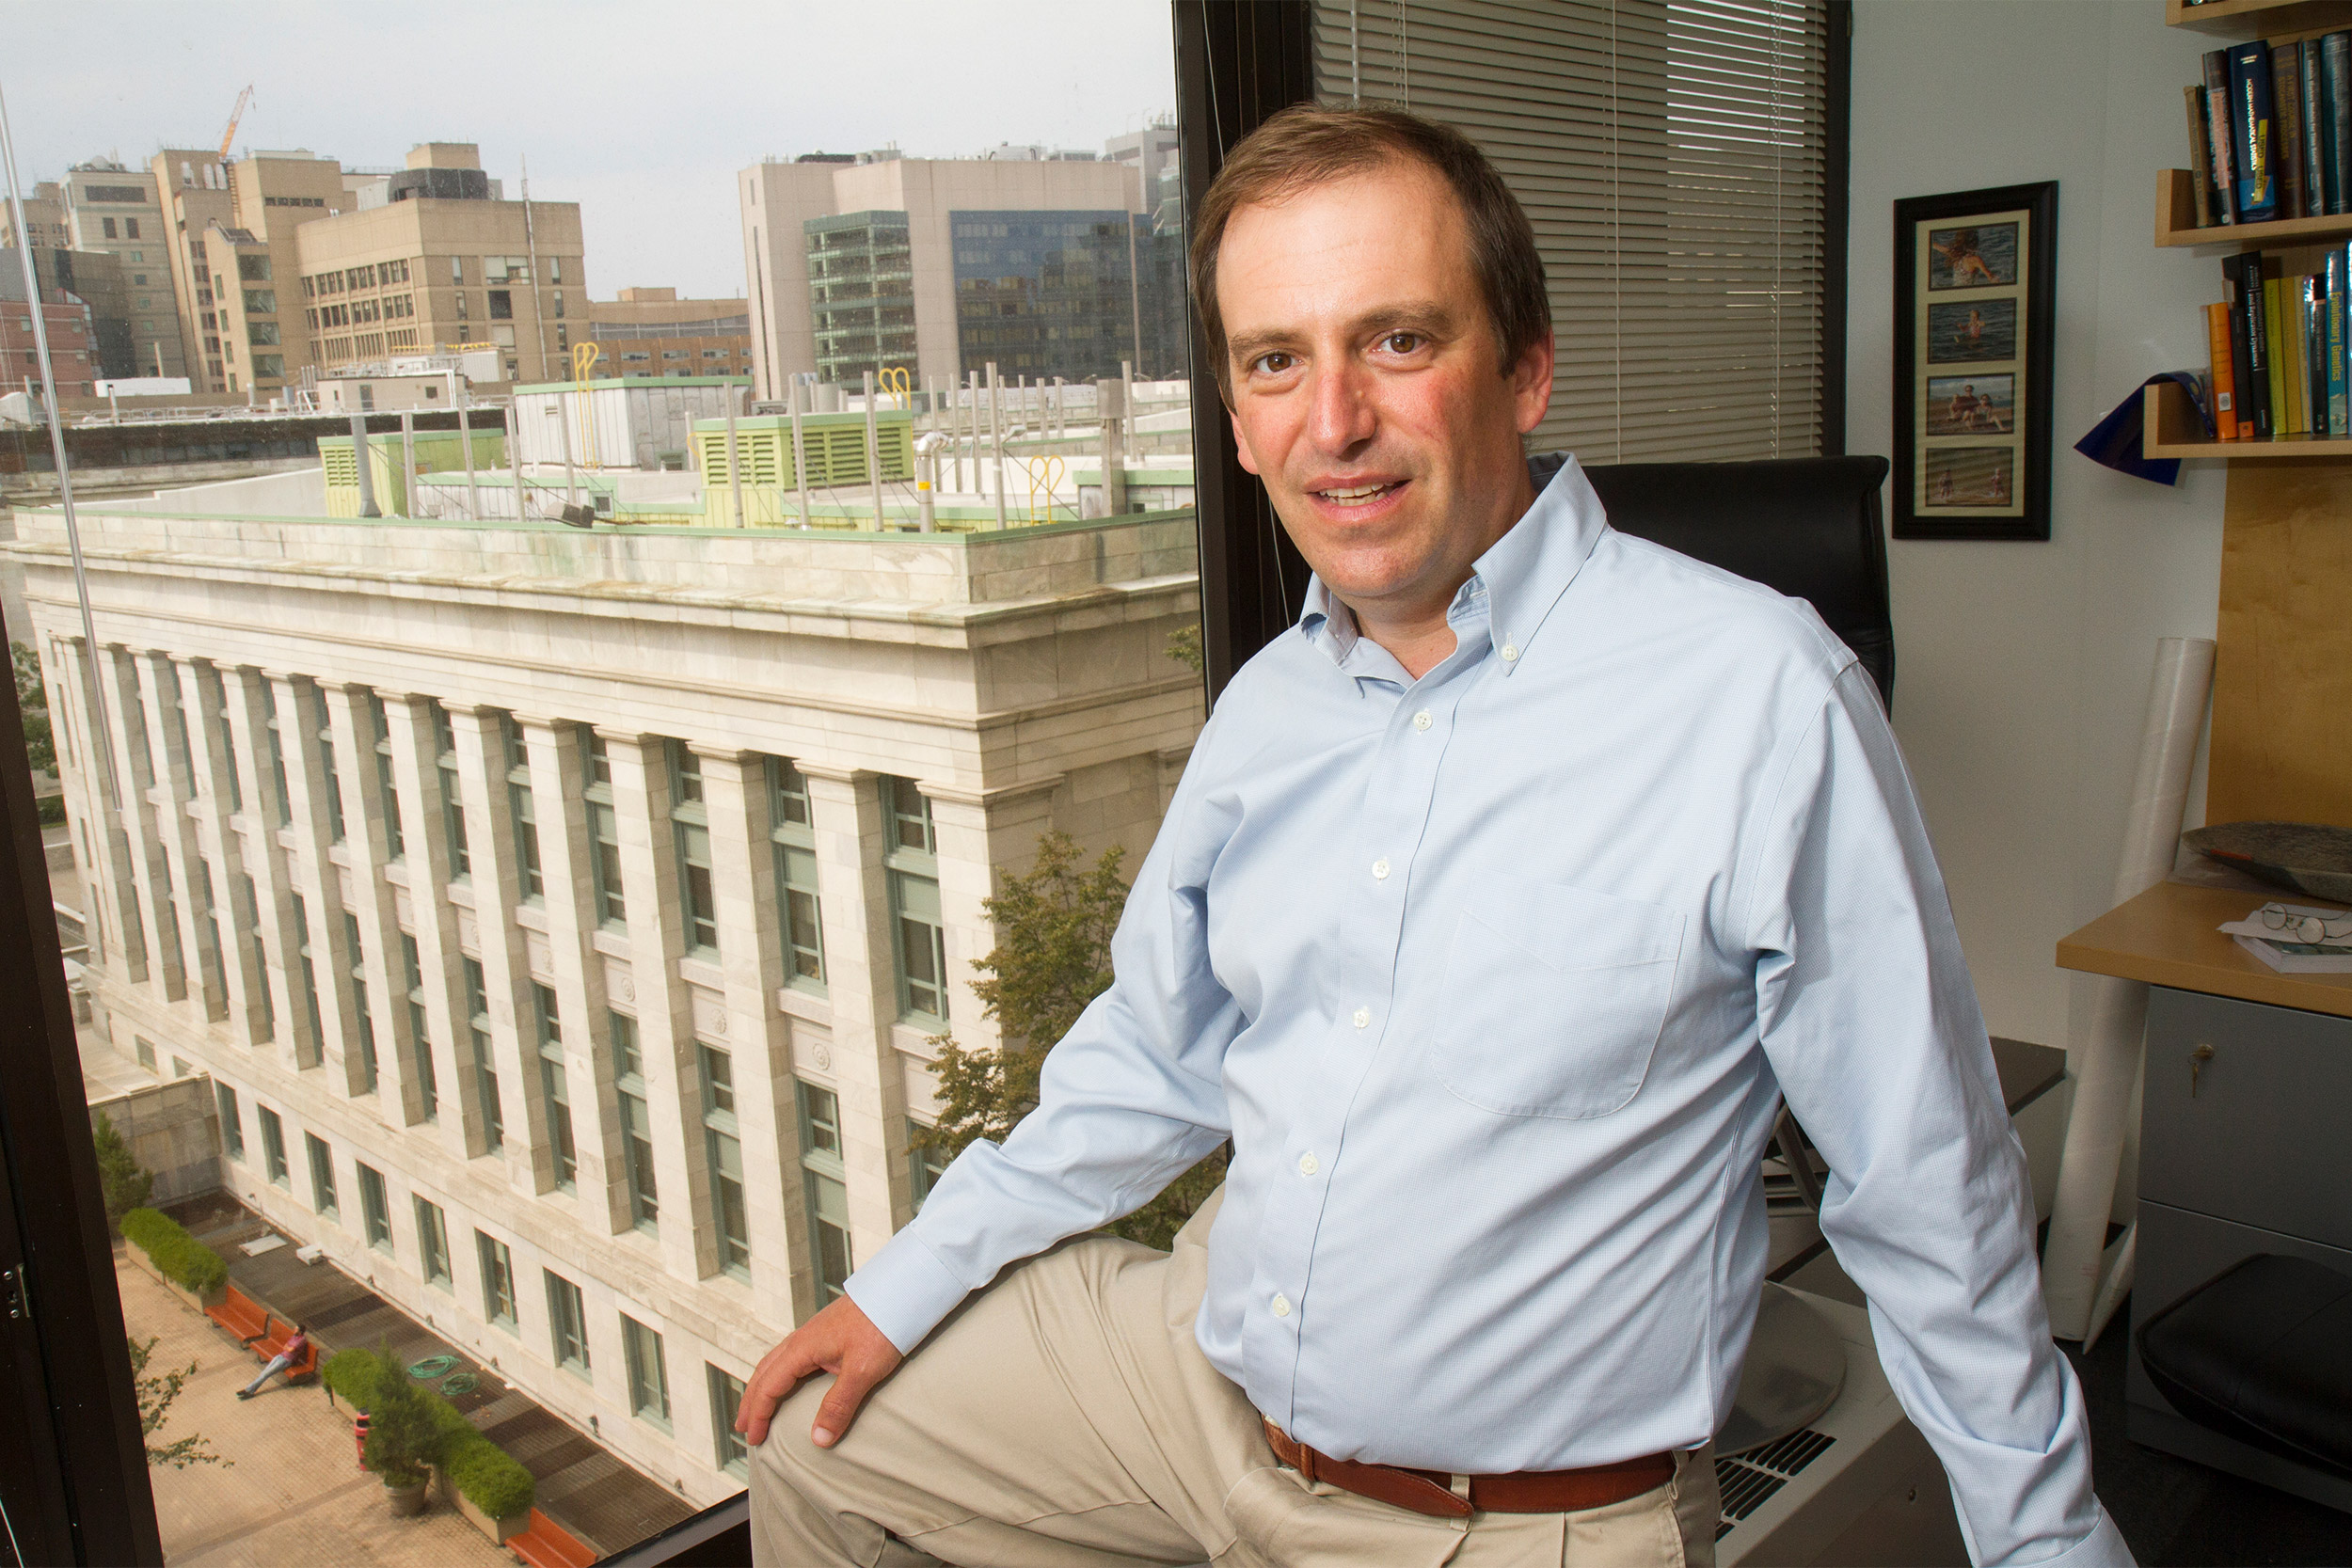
x,y
640,112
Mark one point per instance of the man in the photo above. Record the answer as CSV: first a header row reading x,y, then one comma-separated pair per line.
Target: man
x,y
279,1363
1500,904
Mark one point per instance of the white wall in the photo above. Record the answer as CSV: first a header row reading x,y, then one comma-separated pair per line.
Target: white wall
x,y
2023,669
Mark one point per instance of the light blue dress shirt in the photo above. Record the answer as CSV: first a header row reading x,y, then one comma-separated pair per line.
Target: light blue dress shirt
x,y
1496,979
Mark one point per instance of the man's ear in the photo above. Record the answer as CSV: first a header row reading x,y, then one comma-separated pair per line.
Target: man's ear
x,y
1241,440
1530,385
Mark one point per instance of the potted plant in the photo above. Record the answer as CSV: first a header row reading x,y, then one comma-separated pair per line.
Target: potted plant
x,y
402,1437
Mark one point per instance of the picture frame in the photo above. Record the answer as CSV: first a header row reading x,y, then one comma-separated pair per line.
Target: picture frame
x,y
1976,275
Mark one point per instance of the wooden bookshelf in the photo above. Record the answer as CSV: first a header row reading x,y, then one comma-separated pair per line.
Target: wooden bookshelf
x,y
2246,19
2172,427
2176,220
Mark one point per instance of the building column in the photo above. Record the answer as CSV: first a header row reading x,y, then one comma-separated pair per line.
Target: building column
x,y
490,930
655,996
251,698
315,875
128,735
368,847
434,894
213,766
174,789
106,870
862,979
747,1023
575,970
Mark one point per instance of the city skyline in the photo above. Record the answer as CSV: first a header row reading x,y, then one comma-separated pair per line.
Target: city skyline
x,y
119,80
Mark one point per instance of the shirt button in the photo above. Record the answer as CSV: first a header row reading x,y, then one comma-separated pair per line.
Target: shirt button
x,y
1308,1165
1281,1306
1510,652
1363,1018
1380,870
1420,720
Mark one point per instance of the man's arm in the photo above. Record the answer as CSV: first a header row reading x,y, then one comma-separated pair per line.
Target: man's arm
x,y
1870,1022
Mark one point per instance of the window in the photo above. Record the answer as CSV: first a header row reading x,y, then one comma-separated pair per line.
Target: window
x,y
501,304
325,733
278,765
556,1091
269,366
106,227
250,269
730,1450
498,1280
250,901
604,830
262,334
725,1152
321,1175
420,1037
796,875
457,271
921,937
526,821
628,1086
825,1186
375,1209
144,1050
273,1147
359,1002
925,1166
648,1378
216,694
558,305
309,972
486,1078
567,1323
231,1125
261,302
453,796
698,899
433,1243
395,842
131,231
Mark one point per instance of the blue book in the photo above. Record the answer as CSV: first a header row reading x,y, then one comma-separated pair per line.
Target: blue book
x,y
2313,133
2335,111
2252,141
2339,392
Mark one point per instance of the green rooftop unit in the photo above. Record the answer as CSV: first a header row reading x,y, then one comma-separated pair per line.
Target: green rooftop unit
x,y
437,450
835,445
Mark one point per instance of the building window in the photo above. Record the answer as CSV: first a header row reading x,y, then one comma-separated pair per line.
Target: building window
x,y
604,830
232,1124
273,1147
325,735
278,765
145,1049
252,904
567,1323
498,1280
697,898
501,304
433,1243
648,1378
551,1081
250,269
628,1086
528,875
453,796
321,1175
359,1001
925,1166
215,692
824,1181
309,972
375,1208
106,227
395,842
796,875
723,1145
485,1076
420,1037
730,1448
920,937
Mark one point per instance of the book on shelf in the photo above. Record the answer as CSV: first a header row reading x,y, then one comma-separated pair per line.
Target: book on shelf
x,y
2270,131
2252,141
2199,156
2280,347
2335,111
2221,394
2286,102
2308,150
2249,354
2339,280
2274,344
2217,143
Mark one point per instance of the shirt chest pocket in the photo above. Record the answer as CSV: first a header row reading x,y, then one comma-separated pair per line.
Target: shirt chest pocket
x,y
1553,999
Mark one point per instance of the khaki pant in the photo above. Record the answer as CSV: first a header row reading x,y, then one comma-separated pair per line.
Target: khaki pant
x,y
1066,1417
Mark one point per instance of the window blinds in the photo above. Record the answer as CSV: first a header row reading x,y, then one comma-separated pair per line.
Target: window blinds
x,y
1670,154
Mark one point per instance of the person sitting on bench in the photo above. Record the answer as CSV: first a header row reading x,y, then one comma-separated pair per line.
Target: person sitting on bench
x,y
286,1358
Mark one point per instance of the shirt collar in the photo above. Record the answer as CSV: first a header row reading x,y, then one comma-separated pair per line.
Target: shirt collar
x,y
1517,581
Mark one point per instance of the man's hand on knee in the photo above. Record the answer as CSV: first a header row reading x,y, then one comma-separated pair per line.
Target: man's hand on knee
x,y
841,1340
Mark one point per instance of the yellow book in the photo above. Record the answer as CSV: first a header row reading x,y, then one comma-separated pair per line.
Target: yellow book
x,y
2294,362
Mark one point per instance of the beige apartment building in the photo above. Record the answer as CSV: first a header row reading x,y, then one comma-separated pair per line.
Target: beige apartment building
x,y
102,209
44,219
899,267
651,332
565,920
234,259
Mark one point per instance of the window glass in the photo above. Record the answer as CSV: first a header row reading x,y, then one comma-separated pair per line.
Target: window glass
x,y
604,832
498,1279
697,894
232,1124
420,1031
803,924
375,1209
648,1377
567,1324
555,1088
825,1188
925,1166
433,1243
321,1175
273,1147
724,1149
525,813
359,1002
636,1123
486,1078
732,1450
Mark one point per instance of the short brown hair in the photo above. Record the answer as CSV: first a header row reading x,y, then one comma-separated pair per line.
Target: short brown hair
x,y
1307,145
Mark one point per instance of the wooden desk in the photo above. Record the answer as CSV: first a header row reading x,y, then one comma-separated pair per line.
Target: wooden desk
x,y
2166,937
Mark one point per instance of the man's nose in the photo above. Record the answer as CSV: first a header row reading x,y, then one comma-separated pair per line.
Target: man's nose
x,y
1341,416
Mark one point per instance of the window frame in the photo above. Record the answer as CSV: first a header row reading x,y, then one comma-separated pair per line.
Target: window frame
x,y
568,1326
496,1259
432,1259
642,1347
802,930
324,1199
824,1174
914,869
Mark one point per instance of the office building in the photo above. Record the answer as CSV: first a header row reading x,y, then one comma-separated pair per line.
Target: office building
x,y
651,332
569,955
44,219
92,279
101,208
72,337
938,266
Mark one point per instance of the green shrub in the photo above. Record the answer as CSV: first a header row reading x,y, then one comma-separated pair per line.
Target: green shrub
x,y
180,1256
350,1376
124,1183
490,1478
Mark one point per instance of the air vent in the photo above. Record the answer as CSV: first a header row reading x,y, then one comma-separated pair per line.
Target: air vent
x,y
1748,1480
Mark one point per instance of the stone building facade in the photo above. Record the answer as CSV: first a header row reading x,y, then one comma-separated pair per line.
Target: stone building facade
x,y
565,919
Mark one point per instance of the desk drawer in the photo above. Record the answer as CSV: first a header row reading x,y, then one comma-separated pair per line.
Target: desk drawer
x,y
2264,1135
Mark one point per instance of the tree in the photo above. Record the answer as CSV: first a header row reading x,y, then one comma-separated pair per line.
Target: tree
x,y
155,1395
402,1437
125,1182
1053,958
1184,646
32,698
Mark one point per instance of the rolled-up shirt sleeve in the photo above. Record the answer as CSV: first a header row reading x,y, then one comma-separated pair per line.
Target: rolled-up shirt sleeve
x,y
1129,1099
1871,1025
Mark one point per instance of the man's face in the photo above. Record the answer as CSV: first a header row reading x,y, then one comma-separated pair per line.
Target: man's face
x,y
1368,391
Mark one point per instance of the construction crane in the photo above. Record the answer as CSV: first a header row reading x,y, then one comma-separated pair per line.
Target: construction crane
x,y
244,102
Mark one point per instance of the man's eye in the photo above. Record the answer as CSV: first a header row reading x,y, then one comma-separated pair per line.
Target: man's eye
x,y
1401,342
1274,364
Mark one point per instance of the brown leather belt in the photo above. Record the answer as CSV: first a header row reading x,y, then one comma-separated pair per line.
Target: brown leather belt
x,y
1433,1492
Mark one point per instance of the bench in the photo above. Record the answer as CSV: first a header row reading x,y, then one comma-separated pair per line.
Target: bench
x,y
548,1544
239,1316
276,1336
